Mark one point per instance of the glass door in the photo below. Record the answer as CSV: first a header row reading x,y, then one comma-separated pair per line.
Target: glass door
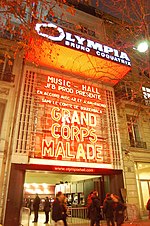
x,y
145,190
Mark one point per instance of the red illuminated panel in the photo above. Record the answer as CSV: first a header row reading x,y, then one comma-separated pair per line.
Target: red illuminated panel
x,y
70,122
73,61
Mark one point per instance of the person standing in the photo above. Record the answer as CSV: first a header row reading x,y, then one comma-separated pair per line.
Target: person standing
x,y
47,207
29,204
36,204
119,210
94,210
57,209
89,202
108,209
148,207
64,209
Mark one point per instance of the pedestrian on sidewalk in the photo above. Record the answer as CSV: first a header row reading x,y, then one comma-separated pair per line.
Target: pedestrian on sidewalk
x,y
95,210
108,209
47,206
57,209
119,208
64,209
89,202
36,204
29,204
148,207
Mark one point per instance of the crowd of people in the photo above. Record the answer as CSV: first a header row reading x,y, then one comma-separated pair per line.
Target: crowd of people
x,y
58,208
112,210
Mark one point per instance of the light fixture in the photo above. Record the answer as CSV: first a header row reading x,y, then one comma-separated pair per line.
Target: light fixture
x,y
26,185
46,191
35,185
45,185
37,191
142,47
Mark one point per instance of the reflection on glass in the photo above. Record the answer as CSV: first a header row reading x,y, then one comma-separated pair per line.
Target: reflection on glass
x,y
145,192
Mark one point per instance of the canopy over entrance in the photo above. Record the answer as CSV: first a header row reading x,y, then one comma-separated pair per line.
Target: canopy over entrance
x,y
74,54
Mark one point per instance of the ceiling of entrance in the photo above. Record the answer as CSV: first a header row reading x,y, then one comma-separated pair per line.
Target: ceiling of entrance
x,y
52,178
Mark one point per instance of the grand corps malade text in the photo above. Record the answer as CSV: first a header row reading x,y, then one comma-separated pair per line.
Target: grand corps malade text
x,y
67,127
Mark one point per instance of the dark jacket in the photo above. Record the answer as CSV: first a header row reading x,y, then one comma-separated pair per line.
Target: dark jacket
x,y
94,209
47,205
108,207
119,212
57,211
64,211
148,205
36,203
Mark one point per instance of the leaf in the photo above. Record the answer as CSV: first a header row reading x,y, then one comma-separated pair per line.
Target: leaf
x,y
10,62
71,10
1,61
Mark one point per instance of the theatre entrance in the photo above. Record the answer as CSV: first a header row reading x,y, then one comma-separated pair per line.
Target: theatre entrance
x,y
75,187
27,180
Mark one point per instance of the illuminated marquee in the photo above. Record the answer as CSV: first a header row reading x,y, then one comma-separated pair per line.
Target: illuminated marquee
x,y
72,133
59,35
72,122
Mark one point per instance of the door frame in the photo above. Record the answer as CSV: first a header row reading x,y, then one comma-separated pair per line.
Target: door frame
x,y
17,179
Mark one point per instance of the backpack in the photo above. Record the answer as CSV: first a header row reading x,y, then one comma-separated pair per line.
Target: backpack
x,y
148,205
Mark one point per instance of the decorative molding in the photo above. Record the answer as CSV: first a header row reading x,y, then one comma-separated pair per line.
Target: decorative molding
x,y
19,158
4,91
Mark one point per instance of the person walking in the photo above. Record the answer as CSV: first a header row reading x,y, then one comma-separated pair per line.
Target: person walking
x,y
89,202
148,207
57,209
36,204
108,209
119,210
94,211
64,209
47,207
29,204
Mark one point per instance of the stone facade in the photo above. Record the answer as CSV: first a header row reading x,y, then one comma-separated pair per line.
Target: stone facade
x,y
135,155
131,156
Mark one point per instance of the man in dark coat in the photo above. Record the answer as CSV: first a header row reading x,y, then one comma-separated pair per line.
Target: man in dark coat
x,y
36,204
47,207
148,207
57,208
95,211
108,209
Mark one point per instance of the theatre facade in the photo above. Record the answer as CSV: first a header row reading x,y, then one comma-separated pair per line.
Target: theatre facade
x,y
65,116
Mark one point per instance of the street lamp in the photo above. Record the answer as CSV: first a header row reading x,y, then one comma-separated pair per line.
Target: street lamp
x,y
142,47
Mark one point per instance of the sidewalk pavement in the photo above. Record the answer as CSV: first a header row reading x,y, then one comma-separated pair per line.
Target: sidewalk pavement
x,y
135,223
138,223
142,222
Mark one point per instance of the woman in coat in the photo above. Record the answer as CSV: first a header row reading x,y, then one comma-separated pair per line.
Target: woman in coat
x,y
148,207
57,209
47,207
108,209
119,208
64,213
95,211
